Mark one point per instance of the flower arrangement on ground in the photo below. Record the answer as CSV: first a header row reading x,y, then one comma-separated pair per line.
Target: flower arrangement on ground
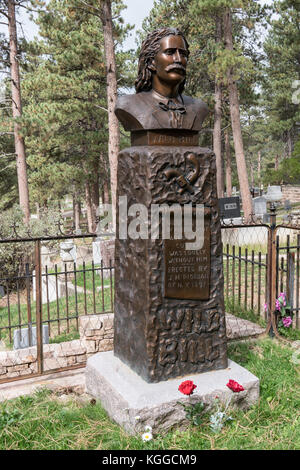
x,y
194,411
283,311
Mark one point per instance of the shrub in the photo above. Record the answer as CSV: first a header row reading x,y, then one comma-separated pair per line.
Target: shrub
x,y
15,255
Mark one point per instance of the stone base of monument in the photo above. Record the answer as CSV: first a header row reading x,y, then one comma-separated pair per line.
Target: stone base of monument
x,y
133,403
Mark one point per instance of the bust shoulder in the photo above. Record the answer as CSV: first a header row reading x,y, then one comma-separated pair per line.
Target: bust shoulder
x,y
198,105
129,110
140,111
199,108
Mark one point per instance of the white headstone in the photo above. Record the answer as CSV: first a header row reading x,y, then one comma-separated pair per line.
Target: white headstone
x,y
2,291
68,251
97,251
21,337
260,205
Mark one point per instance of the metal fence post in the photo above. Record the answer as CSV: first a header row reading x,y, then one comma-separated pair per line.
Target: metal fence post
x,y
271,326
290,279
39,322
28,283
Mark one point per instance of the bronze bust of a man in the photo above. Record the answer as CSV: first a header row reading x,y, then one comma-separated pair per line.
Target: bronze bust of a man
x,y
158,102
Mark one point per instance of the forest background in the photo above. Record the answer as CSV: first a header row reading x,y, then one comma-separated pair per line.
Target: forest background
x,y
58,134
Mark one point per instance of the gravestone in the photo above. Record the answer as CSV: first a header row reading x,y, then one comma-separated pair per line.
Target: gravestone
x,y
22,340
230,207
68,254
287,205
97,251
260,206
2,291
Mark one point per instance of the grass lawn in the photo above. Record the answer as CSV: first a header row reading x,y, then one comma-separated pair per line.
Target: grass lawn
x,y
61,315
42,422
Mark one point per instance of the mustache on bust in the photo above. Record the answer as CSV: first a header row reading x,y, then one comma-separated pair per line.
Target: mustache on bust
x,y
175,66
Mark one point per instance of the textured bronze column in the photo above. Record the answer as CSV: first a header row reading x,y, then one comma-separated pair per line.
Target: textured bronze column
x,y
169,309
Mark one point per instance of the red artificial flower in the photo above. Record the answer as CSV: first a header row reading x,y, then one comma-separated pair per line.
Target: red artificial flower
x,y
234,386
187,387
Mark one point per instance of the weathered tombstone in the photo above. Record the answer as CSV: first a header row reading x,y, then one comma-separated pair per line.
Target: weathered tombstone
x,y
2,291
274,194
229,207
287,205
169,305
260,206
48,256
97,251
107,248
51,288
22,340
68,256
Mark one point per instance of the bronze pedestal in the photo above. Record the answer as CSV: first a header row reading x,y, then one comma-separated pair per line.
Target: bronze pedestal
x,y
169,308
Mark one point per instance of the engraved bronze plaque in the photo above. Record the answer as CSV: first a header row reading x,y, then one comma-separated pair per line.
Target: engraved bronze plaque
x,y
166,138
187,272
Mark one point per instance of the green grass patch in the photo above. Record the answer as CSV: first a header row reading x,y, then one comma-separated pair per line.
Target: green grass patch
x,y
289,333
232,306
61,315
42,422
92,277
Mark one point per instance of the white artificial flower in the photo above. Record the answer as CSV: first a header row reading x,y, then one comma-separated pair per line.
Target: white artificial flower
x,y
147,436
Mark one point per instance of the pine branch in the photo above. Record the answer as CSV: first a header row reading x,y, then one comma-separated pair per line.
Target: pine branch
x,y
97,10
2,12
100,107
7,155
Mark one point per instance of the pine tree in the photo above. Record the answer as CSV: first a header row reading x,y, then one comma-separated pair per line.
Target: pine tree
x,y
8,10
283,70
66,122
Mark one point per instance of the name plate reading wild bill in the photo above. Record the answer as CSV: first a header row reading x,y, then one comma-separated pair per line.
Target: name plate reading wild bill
x,y
168,138
187,272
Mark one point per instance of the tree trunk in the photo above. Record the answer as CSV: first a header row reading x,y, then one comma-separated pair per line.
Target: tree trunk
x,y
37,205
106,198
217,133
17,112
76,210
259,169
228,165
111,76
95,193
89,208
289,144
252,174
236,124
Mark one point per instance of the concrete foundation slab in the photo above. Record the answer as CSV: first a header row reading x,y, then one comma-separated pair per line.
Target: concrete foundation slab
x,y
126,396
71,378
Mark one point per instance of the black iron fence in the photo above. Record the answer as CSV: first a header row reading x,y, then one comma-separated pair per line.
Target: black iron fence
x,y
260,262
58,308
62,291
288,270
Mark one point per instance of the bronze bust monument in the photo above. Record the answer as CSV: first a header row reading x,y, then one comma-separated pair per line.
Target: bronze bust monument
x,y
169,318
158,102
